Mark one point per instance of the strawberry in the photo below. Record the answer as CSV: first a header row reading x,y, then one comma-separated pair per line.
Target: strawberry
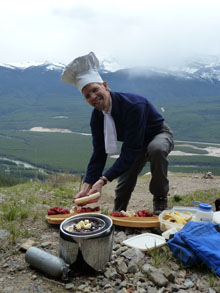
x,y
65,211
50,212
143,213
96,209
57,210
117,214
88,210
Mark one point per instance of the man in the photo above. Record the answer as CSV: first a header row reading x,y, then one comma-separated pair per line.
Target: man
x,y
124,117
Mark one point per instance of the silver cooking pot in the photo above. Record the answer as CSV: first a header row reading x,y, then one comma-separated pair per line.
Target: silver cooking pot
x,y
95,245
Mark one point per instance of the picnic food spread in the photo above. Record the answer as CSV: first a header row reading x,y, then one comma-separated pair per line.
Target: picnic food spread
x,y
143,213
142,218
77,210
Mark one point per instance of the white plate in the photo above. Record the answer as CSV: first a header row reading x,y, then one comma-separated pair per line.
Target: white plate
x,y
145,241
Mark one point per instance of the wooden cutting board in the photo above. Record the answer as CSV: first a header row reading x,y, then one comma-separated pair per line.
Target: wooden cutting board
x,y
58,219
137,222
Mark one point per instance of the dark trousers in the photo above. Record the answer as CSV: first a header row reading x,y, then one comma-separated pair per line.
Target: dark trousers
x,y
156,153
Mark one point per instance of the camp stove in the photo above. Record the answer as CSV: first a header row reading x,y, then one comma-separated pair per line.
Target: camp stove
x,y
93,244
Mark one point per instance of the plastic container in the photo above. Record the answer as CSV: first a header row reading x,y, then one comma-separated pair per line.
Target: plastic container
x,y
204,212
216,217
184,212
166,234
183,209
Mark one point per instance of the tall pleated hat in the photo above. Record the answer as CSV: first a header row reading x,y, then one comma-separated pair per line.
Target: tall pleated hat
x,y
82,71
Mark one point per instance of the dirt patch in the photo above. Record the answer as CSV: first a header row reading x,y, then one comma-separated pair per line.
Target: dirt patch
x,y
180,184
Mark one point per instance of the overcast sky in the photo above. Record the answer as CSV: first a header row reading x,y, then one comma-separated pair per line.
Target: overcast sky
x,y
141,32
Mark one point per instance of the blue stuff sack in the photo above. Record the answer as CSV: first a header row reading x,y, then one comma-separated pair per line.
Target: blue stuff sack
x,y
198,242
181,249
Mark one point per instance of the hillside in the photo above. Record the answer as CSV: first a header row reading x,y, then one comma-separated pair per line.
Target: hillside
x,y
22,214
34,97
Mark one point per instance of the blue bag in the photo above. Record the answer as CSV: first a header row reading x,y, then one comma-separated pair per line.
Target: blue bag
x,y
198,242
181,249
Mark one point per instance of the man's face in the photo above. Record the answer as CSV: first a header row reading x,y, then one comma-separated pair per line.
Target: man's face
x,y
97,95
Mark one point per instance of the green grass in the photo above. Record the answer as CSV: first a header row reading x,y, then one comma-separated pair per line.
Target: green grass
x,y
205,196
194,164
58,152
70,153
25,203
160,255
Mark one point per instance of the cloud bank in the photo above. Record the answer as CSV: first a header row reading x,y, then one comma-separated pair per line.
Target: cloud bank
x,y
151,33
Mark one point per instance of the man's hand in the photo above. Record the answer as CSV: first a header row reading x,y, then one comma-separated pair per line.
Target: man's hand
x,y
87,199
87,189
97,187
84,191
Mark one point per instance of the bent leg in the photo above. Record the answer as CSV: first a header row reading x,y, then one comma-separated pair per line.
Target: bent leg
x,y
158,150
127,182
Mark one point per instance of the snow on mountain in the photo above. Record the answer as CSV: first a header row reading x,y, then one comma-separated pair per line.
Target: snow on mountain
x,y
22,65
28,64
205,67
55,66
106,65
7,66
202,67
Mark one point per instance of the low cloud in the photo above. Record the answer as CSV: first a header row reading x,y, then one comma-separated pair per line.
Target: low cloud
x,y
152,33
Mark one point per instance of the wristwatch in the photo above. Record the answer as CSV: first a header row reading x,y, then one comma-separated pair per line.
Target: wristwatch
x,y
104,179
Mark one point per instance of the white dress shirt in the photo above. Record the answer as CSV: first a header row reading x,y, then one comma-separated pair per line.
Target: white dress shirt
x,y
110,132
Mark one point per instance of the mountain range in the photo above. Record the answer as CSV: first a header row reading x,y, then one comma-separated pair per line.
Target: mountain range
x,y
198,77
187,96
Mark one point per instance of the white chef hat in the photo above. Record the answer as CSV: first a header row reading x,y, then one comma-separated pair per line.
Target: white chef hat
x,y
81,71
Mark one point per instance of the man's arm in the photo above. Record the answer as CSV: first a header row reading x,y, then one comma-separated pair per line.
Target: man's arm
x,y
99,156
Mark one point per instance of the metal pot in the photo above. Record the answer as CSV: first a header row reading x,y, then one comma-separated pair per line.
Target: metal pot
x,y
95,246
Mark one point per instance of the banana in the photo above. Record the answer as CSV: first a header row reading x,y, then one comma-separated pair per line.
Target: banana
x,y
86,198
176,217
83,225
128,213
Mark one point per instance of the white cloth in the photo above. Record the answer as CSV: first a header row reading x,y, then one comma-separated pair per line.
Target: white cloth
x,y
82,71
110,133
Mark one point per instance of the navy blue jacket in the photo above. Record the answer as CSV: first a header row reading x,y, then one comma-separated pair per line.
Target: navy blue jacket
x,y
136,121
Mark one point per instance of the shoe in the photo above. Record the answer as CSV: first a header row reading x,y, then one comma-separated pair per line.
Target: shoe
x,y
159,204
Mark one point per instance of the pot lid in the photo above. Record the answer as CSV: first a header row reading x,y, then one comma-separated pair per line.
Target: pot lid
x,y
99,225
84,226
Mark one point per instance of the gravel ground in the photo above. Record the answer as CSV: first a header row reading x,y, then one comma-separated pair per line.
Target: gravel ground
x,y
129,269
